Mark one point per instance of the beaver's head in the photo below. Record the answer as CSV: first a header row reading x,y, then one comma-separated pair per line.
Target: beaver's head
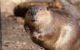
x,y
37,14
34,10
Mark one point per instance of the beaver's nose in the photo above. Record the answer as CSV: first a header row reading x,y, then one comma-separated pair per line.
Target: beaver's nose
x,y
33,20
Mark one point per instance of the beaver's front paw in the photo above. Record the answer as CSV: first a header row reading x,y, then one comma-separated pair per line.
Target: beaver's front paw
x,y
36,35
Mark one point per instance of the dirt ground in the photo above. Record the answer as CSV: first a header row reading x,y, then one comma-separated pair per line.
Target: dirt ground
x,y
14,36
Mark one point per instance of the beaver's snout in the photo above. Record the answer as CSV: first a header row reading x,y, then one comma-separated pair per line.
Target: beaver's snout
x,y
33,20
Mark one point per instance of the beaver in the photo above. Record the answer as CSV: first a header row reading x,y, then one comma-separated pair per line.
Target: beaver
x,y
51,28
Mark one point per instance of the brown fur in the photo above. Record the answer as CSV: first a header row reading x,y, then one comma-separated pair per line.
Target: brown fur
x,y
50,28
